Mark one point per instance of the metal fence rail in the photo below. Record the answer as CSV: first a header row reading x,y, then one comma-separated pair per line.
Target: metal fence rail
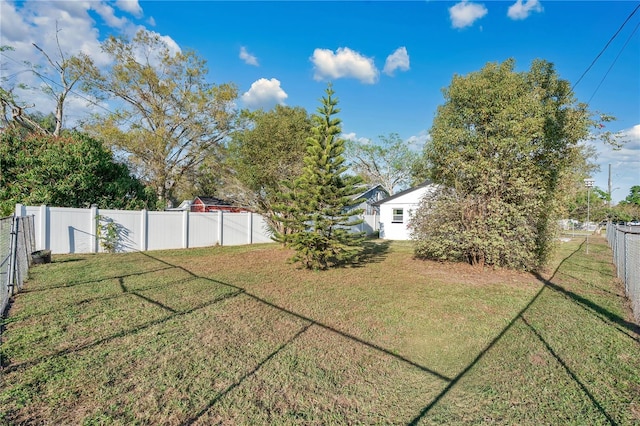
x,y
625,243
17,242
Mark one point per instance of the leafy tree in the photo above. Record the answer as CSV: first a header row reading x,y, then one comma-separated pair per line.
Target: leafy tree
x,y
629,208
389,163
263,156
74,171
321,197
503,147
625,212
596,202
170,119
633,197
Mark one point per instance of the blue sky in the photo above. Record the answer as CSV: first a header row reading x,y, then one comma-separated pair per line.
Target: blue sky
x,y
388,61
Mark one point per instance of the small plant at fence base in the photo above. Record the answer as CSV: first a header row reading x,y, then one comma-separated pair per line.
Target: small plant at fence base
x,y
107,231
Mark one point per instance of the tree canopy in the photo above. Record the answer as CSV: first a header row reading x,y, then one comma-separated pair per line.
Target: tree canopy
x,y
169,119
633,197
503,146
629,208
389,163
67,171
263,156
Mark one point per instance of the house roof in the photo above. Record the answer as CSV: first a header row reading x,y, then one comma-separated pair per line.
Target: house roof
x,y
401,193
368,190
213,201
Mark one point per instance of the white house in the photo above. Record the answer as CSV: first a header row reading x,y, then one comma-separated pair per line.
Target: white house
x,y
370,212
396,210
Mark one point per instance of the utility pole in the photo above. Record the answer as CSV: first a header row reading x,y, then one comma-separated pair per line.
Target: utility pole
x,y
609,198
589,184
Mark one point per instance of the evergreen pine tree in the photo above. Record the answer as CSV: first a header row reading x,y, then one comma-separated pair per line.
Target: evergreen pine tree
x,y
320,217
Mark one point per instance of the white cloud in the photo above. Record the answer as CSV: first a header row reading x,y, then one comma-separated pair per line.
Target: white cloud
x,y
397,60
520,10
130,6
75,23
247,57
464,14
12,25
354,138
107,13
632,135
343,64
264,94
144,55
625,164
171,43
417,142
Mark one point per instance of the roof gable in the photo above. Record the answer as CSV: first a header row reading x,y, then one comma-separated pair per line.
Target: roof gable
x,y
370,192
400,194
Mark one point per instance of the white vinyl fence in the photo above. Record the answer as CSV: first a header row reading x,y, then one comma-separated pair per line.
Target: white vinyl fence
x,y
72,230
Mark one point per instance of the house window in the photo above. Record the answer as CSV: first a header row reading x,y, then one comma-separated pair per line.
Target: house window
x,y
397,216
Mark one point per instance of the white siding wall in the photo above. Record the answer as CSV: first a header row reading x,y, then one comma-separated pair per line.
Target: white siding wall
x,y
390,230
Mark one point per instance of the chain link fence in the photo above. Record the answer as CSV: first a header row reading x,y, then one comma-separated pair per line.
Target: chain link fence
x,y
625,242
17,242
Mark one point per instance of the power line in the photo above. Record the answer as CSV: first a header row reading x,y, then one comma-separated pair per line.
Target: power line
x,y
614,62
44,77
606,46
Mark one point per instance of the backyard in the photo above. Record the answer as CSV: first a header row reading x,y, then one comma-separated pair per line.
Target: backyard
x,y
237,335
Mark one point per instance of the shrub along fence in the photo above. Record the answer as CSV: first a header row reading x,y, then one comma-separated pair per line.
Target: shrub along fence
x,y
73,230
625,242
17,242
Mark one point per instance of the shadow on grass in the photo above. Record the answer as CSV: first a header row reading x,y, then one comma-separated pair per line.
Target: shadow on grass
x,y
314,322
93,281
374,251
70,260
145,298
569,372
123,333
548,284
233,292
595,287
594,308
238,382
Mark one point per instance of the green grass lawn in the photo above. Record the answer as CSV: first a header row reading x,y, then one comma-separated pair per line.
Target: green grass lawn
x,y
237,335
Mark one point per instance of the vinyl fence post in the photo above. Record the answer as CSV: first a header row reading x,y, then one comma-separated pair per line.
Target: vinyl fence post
x,y
13,247
143,230
185,229
44,228
93,229
250,228
220,227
